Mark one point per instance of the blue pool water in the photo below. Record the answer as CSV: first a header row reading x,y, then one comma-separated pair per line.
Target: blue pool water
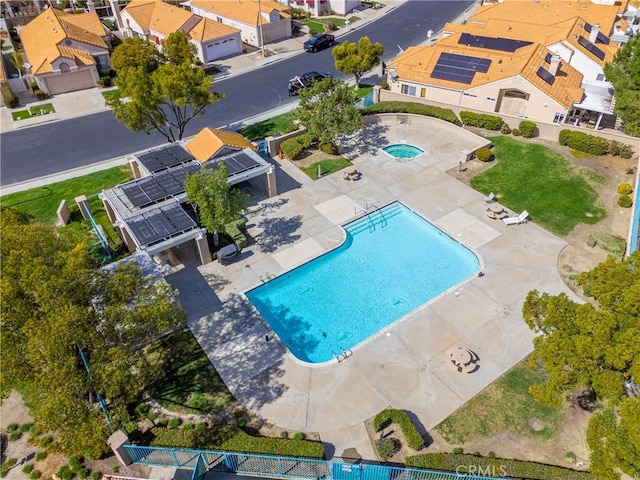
x,y
390,263
402,150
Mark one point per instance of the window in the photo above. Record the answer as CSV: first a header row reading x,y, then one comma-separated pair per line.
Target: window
x,y
423,92
408,90
559,118
600,77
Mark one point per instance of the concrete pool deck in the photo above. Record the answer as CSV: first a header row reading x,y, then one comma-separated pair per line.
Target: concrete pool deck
x,y
405,366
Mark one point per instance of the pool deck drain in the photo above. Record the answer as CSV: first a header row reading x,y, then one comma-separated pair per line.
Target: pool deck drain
x,y
406,365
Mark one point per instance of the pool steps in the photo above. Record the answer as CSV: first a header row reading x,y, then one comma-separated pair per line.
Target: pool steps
x,y
372,220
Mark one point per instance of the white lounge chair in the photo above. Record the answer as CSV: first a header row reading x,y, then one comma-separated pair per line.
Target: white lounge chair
x,y
490,198
522,218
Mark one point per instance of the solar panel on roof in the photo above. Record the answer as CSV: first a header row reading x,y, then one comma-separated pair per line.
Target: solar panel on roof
x,y
459,68
164,157
545,75
591,47
601,37
492,43
547,58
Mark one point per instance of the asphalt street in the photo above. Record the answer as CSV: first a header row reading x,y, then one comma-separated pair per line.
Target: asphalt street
x,y
77,142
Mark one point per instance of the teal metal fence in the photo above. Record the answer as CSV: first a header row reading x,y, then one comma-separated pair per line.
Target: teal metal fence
x,y
202,462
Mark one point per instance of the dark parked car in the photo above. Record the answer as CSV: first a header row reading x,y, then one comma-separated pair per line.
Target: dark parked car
x,y
316,76
318,42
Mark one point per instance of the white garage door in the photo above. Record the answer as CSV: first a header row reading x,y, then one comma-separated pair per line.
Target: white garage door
x,y
222,48
70,82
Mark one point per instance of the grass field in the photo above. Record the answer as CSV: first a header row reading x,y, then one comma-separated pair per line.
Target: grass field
x,y
278,125
503,405
316,25
33,111
111,94
43,202
327,166
531,177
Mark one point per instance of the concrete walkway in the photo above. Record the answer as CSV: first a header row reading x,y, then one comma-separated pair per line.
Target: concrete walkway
x,y
406,365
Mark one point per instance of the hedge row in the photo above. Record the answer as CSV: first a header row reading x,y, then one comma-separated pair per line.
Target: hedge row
x,y
293,147
445,114
481,120
235,440
594,145
399,417
495,467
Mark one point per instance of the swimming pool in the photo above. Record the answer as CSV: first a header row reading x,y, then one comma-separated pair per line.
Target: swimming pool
x,y
392,261
403,150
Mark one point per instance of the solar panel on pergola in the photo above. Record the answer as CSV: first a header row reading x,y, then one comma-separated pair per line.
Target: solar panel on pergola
x,y
160,224
459,68
164,157
492,43
237,162
159,186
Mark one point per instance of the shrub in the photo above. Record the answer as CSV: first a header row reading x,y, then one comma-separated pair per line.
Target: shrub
x,y
515,132
26,427
201,426
27,468
584,142
298,436
484,154
65,473
174,423
481,120
152,416
625,188
299,13
4,470
458,450
234,230
95,475
329,147
292,148
187,426
625,201
384,84
12,427
284,434
142,409
505,129
41,456
35,474
631,171
306,139
15,436
613,244
40,95
12,102
527,128
399,417
445,114
626,151
614,148
570,455
82,473
507,468
387,447
491,454
74,463
104,81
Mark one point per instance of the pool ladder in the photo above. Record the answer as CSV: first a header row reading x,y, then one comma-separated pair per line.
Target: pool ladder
x,y
342,356
372,225
267,277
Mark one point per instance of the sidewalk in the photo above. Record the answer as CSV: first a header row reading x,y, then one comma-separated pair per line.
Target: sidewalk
x,y
87,102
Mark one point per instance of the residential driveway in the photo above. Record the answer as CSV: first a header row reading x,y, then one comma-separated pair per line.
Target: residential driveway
x,y
405,366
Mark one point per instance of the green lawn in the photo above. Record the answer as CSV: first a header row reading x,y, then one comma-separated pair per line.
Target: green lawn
x,y
327,166
532,177
504,405
43,202
111,94
364,90
278,125
316,25
33,111
186,381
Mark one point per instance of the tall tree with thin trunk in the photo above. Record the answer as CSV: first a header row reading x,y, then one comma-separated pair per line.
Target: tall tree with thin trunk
x,y
357,58
624,74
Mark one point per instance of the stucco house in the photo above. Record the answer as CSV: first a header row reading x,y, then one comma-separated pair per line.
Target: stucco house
x,y
155,20
249,16
543,62
65,52
317,8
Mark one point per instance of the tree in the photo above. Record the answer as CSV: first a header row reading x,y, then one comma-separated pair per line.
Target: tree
x,y
179,49
614,439
216,202
136,53
586,346
327,109
48,286
357,58
164,98
624,74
